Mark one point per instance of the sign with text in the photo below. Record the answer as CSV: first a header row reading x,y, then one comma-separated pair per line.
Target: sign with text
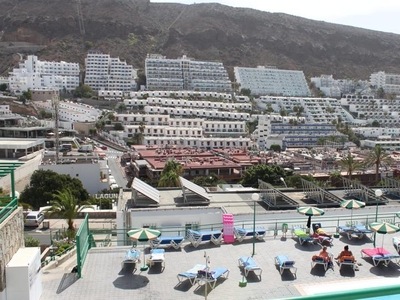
x,y
105,196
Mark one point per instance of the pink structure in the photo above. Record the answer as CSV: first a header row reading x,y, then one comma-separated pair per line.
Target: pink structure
x,y
227,222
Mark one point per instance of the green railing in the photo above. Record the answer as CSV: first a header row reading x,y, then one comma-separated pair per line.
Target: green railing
x,y
364,294
8,204
83,244
273,226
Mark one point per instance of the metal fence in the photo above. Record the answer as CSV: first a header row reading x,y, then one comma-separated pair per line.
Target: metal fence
x,y
83,244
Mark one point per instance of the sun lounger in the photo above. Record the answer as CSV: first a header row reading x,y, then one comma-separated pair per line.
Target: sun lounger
x,y
285,263
322,239
350,232
249,265
167,241
156,257
347,261
242,233
198,237
191,274
396,244
380,255
321,261
363,230
131,256
211,277
302,236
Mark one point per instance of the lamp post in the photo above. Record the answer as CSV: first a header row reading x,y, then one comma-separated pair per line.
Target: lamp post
x,y
255,197
284,182
378,194
207,271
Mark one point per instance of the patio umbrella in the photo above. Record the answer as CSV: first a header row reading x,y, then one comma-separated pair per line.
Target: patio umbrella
x,y
383,228
398,214
352,204
143,235
310,211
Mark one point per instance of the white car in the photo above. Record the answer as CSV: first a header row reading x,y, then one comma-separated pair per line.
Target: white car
x,y
114,186
34,219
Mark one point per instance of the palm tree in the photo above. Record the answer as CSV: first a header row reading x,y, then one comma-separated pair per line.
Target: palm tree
x,y
378,157
350,165
65,205
170,174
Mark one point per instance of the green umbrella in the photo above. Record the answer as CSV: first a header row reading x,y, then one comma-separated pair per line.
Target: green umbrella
x,y
310,211
143,235
352,204
383,228
398,214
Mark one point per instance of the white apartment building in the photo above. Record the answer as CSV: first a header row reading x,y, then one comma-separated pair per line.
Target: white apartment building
x,y
5,109
315,110
227,106
71,112
375,132
178,94
35,74
334,87
104,72
164,125
293,131
201,113
385,143
185,74
272,81
367,110
390,83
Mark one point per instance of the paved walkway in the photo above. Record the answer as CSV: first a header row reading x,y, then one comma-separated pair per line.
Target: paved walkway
x,y
103,277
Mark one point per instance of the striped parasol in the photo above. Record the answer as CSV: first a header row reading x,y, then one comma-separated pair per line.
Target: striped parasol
x,y
352,204
143,234
383,228
398,214
310,211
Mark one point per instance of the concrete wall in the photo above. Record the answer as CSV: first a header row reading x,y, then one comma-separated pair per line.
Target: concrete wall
x,y
11,239
88,173
23,172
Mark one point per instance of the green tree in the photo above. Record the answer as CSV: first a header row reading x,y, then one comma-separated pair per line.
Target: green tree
x,y
118,126
378,157
83,91
245,92
31,242
350,165
295,180
276,148
44,183
380,93
66,206
170,174
141,78
121,107
3,87
267,173
298,109
375,123
27,94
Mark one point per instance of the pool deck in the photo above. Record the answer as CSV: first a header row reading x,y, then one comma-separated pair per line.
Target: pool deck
x,y
104,278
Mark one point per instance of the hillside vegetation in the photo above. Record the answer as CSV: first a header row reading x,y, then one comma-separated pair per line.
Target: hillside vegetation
x,y
130,29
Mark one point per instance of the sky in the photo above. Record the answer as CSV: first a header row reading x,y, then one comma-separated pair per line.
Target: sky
x,y
381,15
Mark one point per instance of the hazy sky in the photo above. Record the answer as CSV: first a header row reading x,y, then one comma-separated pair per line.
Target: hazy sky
x,y
381,15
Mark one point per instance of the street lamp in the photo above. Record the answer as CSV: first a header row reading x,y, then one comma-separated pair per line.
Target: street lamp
x,y
283,180
255,197
378,194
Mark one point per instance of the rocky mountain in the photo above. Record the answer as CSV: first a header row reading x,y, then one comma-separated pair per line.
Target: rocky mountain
x,y
130,29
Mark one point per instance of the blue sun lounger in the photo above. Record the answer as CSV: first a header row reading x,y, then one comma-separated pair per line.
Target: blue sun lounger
x,y
167,241
131,256
285,263
242,233
191,274
249,265
198,237
211,277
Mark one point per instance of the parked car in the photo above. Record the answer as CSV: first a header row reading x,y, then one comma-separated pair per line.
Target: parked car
x,y
34,219
103,147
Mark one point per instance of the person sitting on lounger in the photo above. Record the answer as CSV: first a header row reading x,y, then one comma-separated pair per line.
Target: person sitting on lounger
x,y
324,255
345,254
320,231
